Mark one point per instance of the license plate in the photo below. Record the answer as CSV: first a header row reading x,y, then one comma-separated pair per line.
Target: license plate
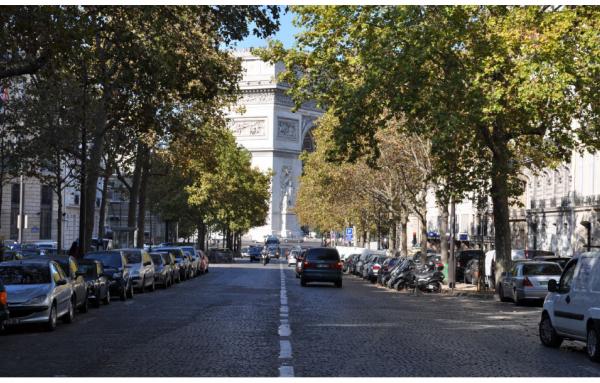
x,y
322,266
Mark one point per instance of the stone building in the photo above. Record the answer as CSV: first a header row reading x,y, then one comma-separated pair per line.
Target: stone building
x,y
275,135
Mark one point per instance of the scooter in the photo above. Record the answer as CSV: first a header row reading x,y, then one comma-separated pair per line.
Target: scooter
x,y
428,281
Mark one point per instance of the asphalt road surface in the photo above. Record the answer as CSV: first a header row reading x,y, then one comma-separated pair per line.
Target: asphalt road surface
x,y
251,320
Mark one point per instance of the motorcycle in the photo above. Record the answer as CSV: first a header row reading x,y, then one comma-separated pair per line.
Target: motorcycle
x,y
265,258
428,280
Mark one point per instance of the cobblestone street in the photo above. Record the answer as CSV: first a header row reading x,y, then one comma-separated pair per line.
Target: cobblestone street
x,y
229,323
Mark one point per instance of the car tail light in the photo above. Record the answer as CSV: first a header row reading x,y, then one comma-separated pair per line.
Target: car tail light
x,y
527,282
376,267
3,297
338,265
306,264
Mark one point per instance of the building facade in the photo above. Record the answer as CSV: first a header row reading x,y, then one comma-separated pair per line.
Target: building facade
x,y
275,135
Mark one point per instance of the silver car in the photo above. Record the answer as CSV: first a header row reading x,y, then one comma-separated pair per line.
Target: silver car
x,y
527,280
141,268
38,291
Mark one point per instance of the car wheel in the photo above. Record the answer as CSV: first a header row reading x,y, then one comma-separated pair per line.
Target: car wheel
x,y
70,315
338,284
548,334
501,294
302,282
51,324
130,291
593,343
106,299
84,306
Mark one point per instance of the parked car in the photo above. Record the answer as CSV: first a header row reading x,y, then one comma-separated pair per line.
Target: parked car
x,y
181,260
116,270
97,284
372,269
527,280
463,257
530,253
193,272
75,278
37,291
490,258
562,261
203,261
163,272
254,253
321,265
172,261
572,306
140,268
4,313
244,251
195,258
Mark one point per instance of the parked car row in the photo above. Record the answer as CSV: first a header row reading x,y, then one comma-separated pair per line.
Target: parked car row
x,y
41,288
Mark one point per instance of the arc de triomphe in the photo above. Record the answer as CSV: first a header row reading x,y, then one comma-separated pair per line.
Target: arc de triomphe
x,y
275,136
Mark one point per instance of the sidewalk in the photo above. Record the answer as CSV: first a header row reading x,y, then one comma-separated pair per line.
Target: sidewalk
x,y
467,290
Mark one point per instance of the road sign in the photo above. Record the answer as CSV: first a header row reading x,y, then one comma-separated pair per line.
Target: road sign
x,y
349,233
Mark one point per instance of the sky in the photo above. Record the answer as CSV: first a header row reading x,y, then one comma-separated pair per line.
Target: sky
x,y
285,34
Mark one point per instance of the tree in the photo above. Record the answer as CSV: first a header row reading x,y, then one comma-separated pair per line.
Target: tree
x,y
496,88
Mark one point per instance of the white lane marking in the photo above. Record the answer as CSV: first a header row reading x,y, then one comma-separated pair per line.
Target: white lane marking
x,y
285,349
284,331
286,372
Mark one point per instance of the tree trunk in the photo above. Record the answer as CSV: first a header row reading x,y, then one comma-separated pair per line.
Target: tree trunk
x,y
102,217
404,235
92,183
443,232
499,193
141,221
393,240
201,227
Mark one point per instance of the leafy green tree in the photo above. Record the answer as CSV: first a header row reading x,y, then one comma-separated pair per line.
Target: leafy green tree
x,y
495,88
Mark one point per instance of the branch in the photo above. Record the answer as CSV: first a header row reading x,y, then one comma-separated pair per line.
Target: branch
x,y
24,68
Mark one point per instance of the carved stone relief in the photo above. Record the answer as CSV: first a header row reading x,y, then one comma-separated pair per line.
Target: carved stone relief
x,y
248,128
287,129
263,97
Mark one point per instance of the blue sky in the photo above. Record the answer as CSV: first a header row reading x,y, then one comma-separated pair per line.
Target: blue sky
x,y
285,34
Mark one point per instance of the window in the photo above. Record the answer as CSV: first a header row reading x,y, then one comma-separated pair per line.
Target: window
x,y
46,212
55,274
75,199
566,278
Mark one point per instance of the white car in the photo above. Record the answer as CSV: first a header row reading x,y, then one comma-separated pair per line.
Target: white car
x,y
291,259
572,306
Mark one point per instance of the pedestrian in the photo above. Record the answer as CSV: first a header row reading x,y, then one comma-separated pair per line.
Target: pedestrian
x,y
73,250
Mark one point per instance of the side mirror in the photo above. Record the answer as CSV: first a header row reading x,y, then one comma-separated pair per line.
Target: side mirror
x,y
552,286
62,282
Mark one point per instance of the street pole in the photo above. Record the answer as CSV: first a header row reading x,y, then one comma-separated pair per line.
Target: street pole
x,y
452,262
21,209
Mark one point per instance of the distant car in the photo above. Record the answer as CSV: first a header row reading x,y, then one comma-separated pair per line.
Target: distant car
x,y
244,251
527,280
193,264
274,250
75,278
4,313
572,306
172,261
37,292
163,273
254,253
272,240
321,265
141,269
98,286
116,270
291,258
220,256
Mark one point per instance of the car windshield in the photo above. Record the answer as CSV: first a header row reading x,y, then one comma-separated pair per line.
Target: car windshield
x,y
157,259
541,269
25,274
108,259
322,255
88,269
133,257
